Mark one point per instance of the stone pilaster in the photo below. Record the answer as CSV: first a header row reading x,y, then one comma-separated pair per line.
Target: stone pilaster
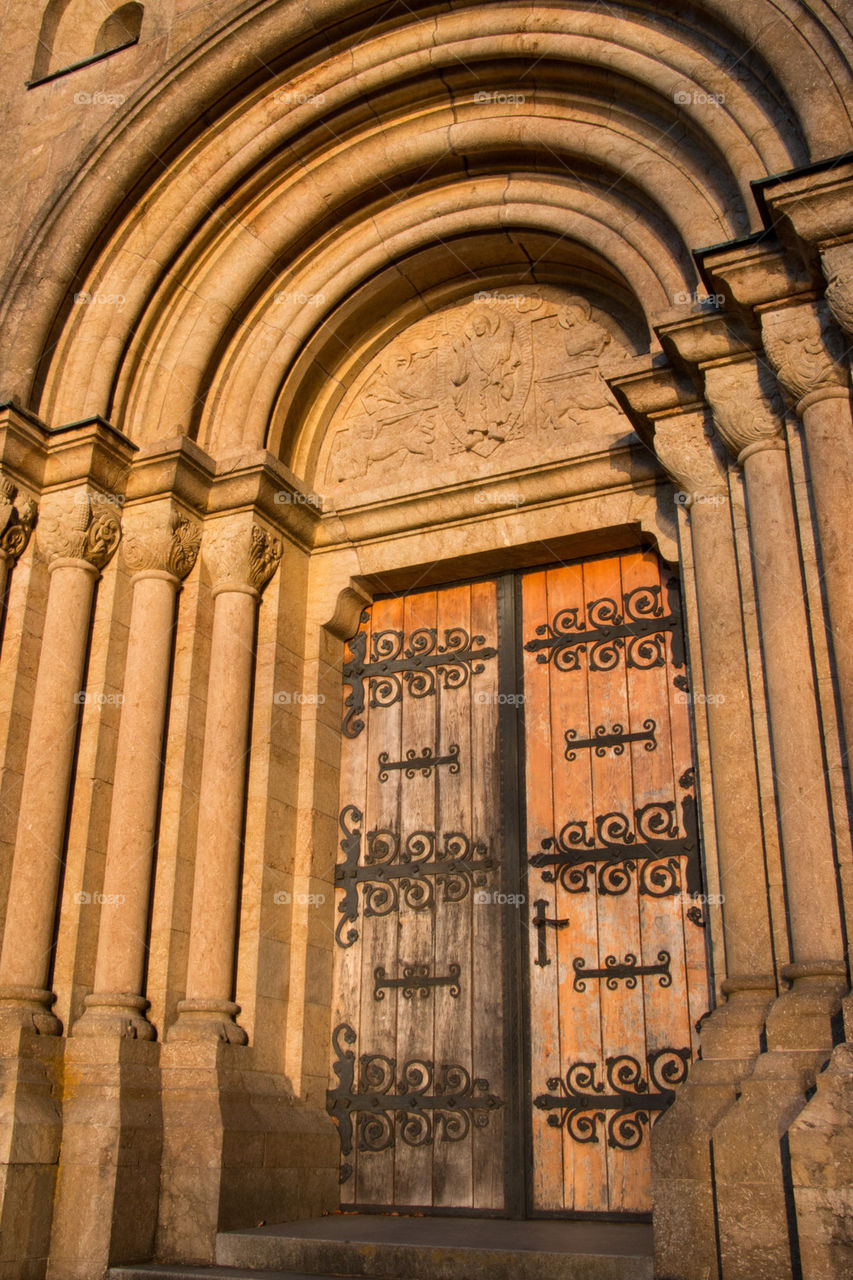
x,y
240,557
78,533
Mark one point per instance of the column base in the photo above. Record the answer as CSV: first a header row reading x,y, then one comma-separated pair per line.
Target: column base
x,y
238,1149
108,1184
754,1192
208,1020
30,1133
821,1146
28,1008
110,1013
682,1171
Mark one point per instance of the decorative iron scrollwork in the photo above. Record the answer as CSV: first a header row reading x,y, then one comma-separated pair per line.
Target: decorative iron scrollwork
x,y
617,738
417,665
638,631
425,860
414,763
627,971
579,1104
616,851
417,981
419,1103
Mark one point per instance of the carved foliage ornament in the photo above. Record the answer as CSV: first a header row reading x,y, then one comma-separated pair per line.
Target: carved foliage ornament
x,y
82,526
747,406
166,541
805,349
687,451
16,520
838,269
240,555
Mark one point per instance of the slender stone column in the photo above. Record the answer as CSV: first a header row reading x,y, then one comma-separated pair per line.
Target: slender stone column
x,y
752,1200
78,533
807,353
15,528
241,558
160,545
680,432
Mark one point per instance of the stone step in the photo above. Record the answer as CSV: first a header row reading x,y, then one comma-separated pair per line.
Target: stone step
x,y
148,1271
443,1248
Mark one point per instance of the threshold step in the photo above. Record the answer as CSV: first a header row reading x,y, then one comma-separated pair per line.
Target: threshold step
x,y
152,1271
390,1247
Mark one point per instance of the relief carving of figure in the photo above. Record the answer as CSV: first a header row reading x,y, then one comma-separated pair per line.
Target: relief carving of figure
x,y
578,389
489,379
398,413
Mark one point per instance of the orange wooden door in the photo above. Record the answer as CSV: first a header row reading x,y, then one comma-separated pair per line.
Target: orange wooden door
x,y
520,959
616,950
421,1094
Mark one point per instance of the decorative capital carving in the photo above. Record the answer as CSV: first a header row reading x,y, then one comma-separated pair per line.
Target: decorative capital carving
x,y
686,447
805,349
79,524
747,406
240,554
16,520
838,269
160,536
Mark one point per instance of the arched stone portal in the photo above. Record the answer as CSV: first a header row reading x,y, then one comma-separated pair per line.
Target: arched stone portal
x,y
308,307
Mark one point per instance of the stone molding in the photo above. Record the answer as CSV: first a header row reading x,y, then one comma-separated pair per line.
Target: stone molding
x,y
240,554
806,350
159,537
17,520
79,524
747,406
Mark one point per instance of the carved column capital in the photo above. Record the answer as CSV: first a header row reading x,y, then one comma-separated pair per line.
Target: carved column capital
x,y
686,447
16,520
160,537
806,351
79,524
240,554
837,264
747,407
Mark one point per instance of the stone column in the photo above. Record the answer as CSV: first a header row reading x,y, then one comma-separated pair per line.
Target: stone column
x,y
680,432
808,355
78,533
160,547
752,1197
15,528
241,558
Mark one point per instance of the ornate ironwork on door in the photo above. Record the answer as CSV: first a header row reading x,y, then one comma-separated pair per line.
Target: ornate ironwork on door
x,y
520,967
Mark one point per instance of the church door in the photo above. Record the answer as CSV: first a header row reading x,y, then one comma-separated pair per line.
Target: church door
x,y
520,956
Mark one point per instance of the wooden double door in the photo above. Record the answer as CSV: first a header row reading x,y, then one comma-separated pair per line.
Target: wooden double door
x,y
520,949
